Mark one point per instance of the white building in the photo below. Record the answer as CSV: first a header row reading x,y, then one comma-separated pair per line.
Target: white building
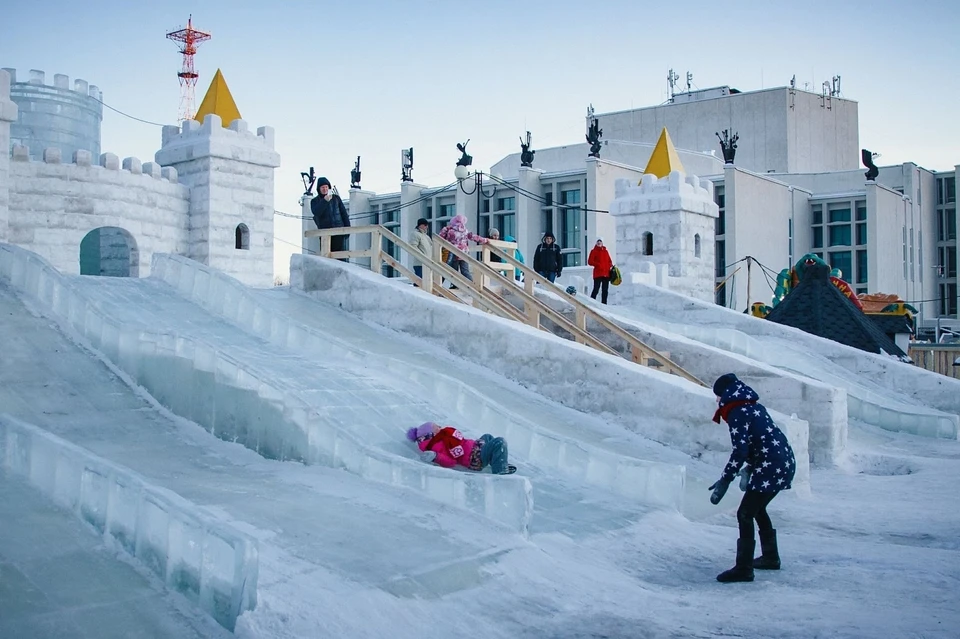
x,y
795,187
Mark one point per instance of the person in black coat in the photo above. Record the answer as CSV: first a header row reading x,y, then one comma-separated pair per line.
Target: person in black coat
x,y
330,213
548,260
764,459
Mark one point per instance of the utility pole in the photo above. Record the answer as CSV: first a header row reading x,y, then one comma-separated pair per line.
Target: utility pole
x,y
748,282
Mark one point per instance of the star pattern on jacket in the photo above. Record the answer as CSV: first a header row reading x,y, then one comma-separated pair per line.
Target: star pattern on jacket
x,y
757,442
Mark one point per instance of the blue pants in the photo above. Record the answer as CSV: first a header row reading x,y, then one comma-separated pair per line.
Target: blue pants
x,y
455,262
494,454
418,271
549,276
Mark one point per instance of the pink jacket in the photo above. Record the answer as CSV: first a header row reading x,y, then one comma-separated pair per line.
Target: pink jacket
x,y
451,447
457,234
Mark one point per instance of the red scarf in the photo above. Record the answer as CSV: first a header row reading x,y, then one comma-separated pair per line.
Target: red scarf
x,y
724,410
451,438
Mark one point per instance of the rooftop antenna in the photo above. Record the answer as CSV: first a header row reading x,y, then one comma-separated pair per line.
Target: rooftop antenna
x,y
835,89
190,39
689,81
672,82
793,81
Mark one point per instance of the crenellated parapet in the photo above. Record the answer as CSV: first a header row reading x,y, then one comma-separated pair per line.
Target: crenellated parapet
x,y
108,161
35,77
661,194
193,140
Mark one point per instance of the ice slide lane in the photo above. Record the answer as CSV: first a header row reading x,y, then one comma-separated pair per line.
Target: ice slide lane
x,y
58,580
554,443
312,523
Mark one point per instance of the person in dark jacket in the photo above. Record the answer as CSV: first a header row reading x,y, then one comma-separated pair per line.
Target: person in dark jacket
x,y
548,260
330,213
765,461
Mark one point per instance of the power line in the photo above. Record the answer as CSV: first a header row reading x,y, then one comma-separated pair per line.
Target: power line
x,y
127,115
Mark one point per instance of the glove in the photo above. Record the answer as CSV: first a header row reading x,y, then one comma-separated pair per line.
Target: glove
x,y
428,456
719,489
744,478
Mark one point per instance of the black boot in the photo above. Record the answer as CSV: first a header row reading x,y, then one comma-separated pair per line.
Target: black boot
x,y
743,571
769,558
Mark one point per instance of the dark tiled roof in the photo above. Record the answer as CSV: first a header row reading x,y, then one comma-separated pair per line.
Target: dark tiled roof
x,y
818,307
890,325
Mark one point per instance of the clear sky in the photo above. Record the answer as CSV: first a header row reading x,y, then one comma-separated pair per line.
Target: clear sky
x,y
370,77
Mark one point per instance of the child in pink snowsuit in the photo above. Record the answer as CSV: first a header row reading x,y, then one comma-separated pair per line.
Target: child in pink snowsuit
x,y
448,447
457,234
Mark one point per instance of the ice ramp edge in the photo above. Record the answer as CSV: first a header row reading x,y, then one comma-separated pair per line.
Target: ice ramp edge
x,y
648,482
209,562
923,422
238,403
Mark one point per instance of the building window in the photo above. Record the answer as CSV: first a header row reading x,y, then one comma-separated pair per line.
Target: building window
x,y
839,212
696,245
570,226
818,237
817,213
507,204
485,206
840,235
948,299
242,240
861,234
719,196
790,241
861,267
648,243
842,260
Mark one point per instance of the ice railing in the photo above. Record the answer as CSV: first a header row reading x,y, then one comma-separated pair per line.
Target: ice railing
x,y
213,565
862,404
302,432
649,482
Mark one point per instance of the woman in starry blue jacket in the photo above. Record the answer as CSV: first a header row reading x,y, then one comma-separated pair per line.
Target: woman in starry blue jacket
x,y
765,461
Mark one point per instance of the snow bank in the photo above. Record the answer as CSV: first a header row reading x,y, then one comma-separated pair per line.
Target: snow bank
x,y
661,407
212,564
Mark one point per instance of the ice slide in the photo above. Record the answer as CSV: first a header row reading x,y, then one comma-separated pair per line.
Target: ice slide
x,y
282,405
196,508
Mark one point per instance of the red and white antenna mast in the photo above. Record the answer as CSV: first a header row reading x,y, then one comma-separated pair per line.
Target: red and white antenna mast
x,y
190,39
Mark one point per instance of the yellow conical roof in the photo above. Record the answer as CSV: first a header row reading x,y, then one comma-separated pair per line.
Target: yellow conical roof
x,y
664,158
218,101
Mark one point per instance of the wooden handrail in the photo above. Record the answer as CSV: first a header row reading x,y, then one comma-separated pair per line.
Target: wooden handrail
x,y
483,298
640,352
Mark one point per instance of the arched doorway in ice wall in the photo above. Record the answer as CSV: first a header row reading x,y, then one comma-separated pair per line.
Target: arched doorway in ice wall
x,y
109,251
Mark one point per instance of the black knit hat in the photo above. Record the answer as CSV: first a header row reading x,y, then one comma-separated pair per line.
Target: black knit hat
x,y
323,182
423,221
723,383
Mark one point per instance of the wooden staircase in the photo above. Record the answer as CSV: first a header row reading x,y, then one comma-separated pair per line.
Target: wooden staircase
x,y
494,290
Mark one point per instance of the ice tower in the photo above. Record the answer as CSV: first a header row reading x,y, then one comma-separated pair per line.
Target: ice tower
x,y
229,172
667,220
8,115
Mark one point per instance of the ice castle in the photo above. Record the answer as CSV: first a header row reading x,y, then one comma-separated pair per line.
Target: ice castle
x,y
208,194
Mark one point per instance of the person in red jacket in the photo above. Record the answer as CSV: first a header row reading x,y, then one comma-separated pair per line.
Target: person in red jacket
x,y
600,260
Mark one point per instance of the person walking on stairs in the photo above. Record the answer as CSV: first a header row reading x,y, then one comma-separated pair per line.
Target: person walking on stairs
x,y
601,262
763,458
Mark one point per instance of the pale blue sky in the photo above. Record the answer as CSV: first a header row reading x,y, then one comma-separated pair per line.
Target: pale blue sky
x,y
341,79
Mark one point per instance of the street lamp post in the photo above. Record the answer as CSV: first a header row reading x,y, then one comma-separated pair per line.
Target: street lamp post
x,y
462,173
